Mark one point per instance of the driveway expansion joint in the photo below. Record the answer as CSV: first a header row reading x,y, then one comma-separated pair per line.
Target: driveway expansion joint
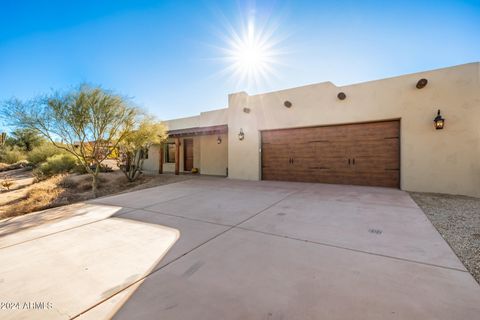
x,y
351,249
151,204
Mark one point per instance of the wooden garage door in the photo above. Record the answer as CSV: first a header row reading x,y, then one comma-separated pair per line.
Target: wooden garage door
x,y
360,154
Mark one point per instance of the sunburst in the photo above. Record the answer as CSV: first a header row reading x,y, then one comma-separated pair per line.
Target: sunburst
x,y
251,53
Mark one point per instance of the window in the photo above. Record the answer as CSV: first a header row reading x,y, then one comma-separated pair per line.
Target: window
x,y
170,152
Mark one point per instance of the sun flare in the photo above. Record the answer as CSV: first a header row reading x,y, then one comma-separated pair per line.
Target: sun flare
x,y
251,54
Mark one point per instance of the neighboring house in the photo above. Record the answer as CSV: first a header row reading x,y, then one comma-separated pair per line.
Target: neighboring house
x,y
102,149
377,133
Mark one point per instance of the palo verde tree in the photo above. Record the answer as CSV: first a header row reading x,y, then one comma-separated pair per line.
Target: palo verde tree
x,y
88,122
134,148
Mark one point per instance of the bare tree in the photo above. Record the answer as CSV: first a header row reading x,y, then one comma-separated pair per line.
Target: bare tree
x,y
88,122
134,148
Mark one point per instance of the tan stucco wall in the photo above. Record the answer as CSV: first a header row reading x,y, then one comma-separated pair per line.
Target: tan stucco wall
x,y
445,161
214,156
151,164
205,119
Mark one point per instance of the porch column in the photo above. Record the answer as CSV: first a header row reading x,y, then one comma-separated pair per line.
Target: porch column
x,y
160,165
177,156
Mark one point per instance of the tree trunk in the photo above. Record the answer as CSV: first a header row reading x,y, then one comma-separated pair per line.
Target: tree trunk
x,y
95,180
94,185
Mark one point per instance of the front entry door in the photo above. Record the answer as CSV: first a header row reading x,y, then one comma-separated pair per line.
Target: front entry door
x,y
187,154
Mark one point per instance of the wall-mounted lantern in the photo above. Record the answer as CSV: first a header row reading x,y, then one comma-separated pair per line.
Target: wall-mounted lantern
x,y
421,83
341,95
241,135
246,110
287,104
219,140
438,122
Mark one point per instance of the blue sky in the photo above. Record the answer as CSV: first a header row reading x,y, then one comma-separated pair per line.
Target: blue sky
x,y
167,55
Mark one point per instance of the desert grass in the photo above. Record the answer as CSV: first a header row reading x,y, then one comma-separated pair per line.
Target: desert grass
x,y
39,196
67,189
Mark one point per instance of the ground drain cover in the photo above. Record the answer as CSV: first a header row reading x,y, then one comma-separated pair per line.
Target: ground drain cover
x,y
375,231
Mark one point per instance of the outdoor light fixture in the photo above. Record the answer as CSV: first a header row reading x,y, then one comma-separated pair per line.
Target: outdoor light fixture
x,y
421,83
219,140
246,110
241,135
439,122
287,104
341,95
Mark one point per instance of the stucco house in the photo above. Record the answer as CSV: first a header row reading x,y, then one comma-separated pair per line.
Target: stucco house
x,y
377,133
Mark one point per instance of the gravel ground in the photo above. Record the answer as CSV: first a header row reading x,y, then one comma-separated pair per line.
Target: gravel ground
x,y
457,218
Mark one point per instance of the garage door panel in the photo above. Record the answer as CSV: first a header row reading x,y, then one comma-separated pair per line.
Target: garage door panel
x,y
375,164
331,149
384,178
337,164
364,154
275,161
376,154
377,147
276,175
375,130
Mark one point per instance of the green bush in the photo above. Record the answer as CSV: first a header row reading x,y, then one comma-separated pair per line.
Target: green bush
x,y
42,152
79,169
11,156
59,163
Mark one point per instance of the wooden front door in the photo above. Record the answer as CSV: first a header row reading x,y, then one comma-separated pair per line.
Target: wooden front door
x,y
187,154
360,154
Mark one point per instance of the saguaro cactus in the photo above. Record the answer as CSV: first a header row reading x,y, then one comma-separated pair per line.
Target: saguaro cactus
x,y
3,137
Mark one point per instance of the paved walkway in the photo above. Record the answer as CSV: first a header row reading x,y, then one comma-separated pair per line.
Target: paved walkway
x,y
225,249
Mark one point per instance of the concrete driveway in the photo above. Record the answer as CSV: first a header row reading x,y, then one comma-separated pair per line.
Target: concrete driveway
x,y
212,248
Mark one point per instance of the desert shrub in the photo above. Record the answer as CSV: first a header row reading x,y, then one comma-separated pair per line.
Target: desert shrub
x,y
82,183
42,152
7,182
59,163
83,186
103,168
11,156
79,169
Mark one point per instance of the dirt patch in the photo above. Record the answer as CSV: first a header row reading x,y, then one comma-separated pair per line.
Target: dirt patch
x,y
20,177
67,189
8,167
39,196
457,218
